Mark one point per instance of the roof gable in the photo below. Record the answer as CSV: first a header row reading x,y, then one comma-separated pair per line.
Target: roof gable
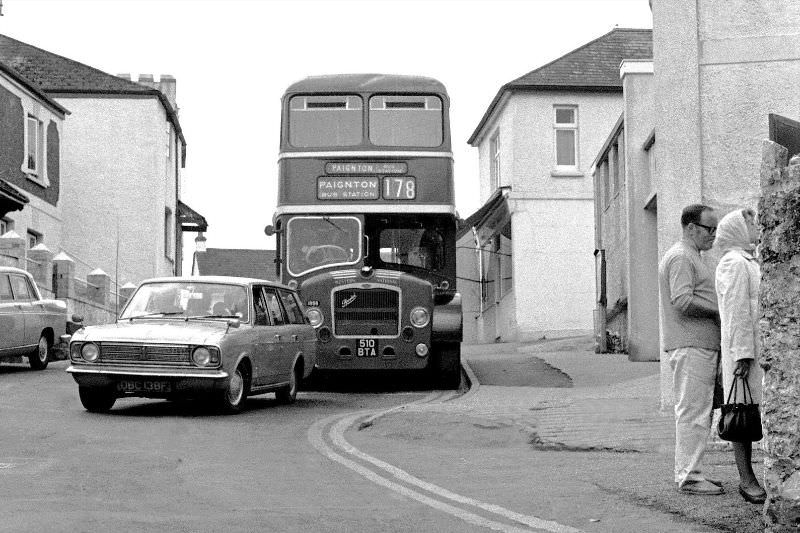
x,y
591,67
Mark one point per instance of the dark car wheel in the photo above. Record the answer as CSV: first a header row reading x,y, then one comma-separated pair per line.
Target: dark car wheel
x,y
97,399
231,399
288,394
38,357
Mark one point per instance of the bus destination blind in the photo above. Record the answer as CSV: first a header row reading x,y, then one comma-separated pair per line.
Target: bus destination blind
x,y
366,188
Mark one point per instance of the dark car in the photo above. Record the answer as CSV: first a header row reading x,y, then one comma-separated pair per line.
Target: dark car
x,y
221,337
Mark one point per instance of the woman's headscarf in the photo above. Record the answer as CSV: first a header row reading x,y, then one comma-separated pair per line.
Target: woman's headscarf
x,y
732,232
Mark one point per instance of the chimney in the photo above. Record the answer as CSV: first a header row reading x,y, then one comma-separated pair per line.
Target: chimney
x,y
166,85
124,76
147,80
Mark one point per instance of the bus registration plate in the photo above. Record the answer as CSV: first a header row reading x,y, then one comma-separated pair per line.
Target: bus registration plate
x,y
367,348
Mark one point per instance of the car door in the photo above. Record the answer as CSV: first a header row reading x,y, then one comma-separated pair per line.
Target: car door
x,y
282,333
23,297
303,334
12,324
265,345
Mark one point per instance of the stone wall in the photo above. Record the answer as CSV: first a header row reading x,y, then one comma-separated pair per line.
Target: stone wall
x,y
779,214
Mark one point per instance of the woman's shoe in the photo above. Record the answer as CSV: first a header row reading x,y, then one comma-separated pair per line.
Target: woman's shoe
x,y
758,497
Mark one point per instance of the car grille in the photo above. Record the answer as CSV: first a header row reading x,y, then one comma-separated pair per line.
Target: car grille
x,y
147,353
366,312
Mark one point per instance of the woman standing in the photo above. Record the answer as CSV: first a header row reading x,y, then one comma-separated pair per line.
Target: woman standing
x,y
738,278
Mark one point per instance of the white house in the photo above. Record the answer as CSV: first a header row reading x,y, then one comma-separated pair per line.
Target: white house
x,y
121,159
534,235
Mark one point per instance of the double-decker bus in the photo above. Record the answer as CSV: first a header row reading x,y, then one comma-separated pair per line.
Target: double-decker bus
x,y
366,221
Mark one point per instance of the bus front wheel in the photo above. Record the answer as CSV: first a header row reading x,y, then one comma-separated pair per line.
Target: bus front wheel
x,y
447,364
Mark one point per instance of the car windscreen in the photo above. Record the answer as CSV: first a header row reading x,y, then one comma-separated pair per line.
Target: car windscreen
x,y
315,242
405,120
185,299
325,121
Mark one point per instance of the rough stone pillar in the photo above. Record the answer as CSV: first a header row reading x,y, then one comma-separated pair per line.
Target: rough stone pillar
x,y
12,250
125,293
98,286
779,215
63,276
41,265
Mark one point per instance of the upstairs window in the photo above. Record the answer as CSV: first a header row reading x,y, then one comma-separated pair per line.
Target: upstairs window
x,y
405,120
494,156
566,137
34,148
325,121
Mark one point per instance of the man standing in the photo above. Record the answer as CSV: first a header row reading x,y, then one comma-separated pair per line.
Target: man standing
x,y
691,335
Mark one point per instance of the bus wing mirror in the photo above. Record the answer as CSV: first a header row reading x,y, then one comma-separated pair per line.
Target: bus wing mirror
x,y
270,230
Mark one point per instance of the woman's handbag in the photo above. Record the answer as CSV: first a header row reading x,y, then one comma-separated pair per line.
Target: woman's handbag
x,y
740,422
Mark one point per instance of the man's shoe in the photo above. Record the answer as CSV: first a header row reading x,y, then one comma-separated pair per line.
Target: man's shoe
x,y
703,487
758,497
716,482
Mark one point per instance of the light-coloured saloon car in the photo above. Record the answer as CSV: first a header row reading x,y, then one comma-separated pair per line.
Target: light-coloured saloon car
x,y
221,337
29,325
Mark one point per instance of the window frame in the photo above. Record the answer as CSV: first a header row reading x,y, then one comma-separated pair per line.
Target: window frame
x,y
8,223
564,126
494,160
169,232
36,236
38,173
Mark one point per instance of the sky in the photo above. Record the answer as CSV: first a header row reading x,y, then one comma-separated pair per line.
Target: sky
x,y
233,59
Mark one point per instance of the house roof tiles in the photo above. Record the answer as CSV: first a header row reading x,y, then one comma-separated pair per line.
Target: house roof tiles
x,y
591,67
55,74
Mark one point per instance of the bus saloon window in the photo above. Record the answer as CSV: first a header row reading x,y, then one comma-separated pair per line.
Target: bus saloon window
x,y
325,121
314,242
403,120
416,247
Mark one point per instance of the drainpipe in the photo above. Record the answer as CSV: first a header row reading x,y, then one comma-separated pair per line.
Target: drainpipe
x,y
480,264
600,312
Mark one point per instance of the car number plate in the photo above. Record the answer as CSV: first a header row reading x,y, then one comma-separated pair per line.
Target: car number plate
x,y
367,348
144,386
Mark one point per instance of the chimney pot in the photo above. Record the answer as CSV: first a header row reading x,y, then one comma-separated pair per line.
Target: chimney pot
x,y
124,76
146,78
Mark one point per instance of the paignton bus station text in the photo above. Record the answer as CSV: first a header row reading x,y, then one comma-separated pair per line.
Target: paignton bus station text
x,y
348,189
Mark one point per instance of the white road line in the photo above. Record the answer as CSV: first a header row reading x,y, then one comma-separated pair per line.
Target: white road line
x,y
316,439
337,437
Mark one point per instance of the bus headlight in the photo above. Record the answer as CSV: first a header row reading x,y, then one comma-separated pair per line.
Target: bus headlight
x,y
90,352
314,316
420,317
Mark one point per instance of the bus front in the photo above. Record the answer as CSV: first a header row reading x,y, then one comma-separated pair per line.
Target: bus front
x,y
366,222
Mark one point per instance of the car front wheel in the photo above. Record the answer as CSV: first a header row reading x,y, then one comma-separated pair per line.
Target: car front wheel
x,y
97,399
231,399
38,357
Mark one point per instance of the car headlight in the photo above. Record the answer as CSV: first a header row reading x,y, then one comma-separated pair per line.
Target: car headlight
x,y
90,352
201,356
314,316
420,317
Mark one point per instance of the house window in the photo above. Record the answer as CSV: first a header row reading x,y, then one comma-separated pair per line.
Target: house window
x,y
566,137
494,155
34,238
6,225
168,232
34,147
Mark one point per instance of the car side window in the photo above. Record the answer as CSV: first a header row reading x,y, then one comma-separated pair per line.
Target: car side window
x,y
274,306
22,291
5,289
260,304
292,309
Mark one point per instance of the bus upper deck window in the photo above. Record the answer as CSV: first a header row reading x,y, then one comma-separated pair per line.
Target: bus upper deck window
x,y
405,120
325,121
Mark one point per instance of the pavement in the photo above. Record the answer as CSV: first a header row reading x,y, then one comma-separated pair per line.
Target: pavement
x,y
566,398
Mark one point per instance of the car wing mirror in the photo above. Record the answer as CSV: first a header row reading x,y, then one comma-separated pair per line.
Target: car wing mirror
x,y
234,323
77,318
